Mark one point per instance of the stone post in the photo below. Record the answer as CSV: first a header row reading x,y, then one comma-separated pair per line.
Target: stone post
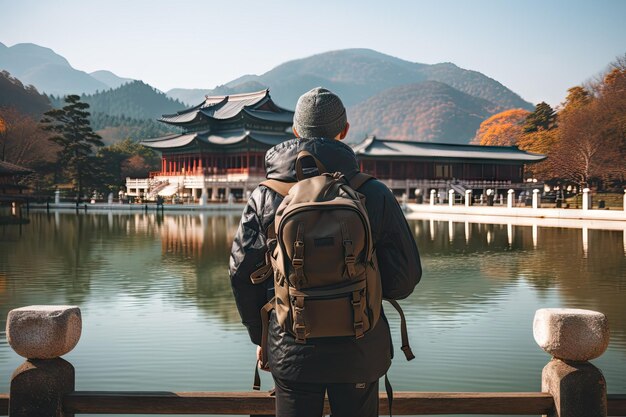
x,y
536,199
432,197
57,196
204,197
468,198
573,337
450,198
624,200
509,198
42,334
586,199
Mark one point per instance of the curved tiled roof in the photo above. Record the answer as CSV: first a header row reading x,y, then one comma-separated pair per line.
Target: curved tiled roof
x,y
228,107
170,141
373,147
7,168
224,138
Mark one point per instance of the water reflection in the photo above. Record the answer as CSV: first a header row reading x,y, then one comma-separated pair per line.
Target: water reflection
x,y
481,281
586,266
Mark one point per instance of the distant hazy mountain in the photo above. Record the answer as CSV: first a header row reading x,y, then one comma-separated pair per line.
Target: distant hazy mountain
x,y
110,79
429,111
47,70
189,96
385,95
358,74
24,99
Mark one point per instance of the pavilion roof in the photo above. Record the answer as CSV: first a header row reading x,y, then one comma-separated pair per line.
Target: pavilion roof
x,y
376,147
223,138
7,168
258,104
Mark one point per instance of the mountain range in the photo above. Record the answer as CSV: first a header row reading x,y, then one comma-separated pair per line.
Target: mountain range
x,y
358,74
385,95
51,73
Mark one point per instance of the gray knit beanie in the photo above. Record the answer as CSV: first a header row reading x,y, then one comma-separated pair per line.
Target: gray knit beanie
x,y
319,114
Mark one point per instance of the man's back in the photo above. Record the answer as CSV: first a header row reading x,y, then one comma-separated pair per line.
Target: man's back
x,y
346,367
342,359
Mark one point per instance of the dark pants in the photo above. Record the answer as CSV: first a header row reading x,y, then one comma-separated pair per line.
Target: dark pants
x,y
302,399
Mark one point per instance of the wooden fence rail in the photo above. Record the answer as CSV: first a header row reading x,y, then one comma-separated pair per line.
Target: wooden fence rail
x,y
253,403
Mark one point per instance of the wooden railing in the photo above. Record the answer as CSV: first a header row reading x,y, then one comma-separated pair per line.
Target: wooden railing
x,y
253,403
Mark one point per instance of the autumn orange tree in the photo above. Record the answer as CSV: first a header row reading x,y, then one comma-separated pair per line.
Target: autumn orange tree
x,y
502,129
21,140
592,131
585,141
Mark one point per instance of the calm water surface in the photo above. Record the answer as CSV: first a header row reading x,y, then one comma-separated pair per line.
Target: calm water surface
x,y
158,313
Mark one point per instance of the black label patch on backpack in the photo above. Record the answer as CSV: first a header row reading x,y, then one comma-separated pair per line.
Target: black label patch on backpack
x,y
324,241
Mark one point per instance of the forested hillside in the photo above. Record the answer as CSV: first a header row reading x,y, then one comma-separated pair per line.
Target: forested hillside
x,y
113,128
136,100
429,111
23,98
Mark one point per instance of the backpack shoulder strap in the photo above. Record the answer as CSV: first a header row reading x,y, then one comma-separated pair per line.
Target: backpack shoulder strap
x,y
359,179
281,187
304,168
261,274
406,348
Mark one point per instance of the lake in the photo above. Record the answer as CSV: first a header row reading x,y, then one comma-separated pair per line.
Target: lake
x,y
158,312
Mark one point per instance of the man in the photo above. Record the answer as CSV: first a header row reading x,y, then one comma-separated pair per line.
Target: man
x,y
346,367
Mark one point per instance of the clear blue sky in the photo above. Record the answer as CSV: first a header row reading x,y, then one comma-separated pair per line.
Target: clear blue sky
x,y
536,48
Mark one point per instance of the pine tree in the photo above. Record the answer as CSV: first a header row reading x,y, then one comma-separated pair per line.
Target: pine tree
x,y
72,131
544,117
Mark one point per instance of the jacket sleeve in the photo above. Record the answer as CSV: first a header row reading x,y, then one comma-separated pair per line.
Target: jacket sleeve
x,y
247,255
396,251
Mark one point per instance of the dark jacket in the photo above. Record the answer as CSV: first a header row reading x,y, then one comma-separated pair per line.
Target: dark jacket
x,y
338,359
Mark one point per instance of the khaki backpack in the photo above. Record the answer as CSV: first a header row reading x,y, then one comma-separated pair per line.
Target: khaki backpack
x,y
322,257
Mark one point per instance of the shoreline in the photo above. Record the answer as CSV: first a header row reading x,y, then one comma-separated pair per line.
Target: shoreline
x,y
89,207
612,219
518,212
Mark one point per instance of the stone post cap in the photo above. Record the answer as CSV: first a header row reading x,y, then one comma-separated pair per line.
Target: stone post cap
x,y
470,191
510,191
535,191
43,331
433,191
571,334
450,191
586,190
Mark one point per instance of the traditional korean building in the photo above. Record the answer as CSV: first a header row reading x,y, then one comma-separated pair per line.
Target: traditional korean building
x,y
12,194
406,166
220,151
9,175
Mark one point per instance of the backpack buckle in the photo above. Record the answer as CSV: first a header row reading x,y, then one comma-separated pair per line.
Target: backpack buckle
x,y
300,330
350,259
358,329
297,262
408,353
